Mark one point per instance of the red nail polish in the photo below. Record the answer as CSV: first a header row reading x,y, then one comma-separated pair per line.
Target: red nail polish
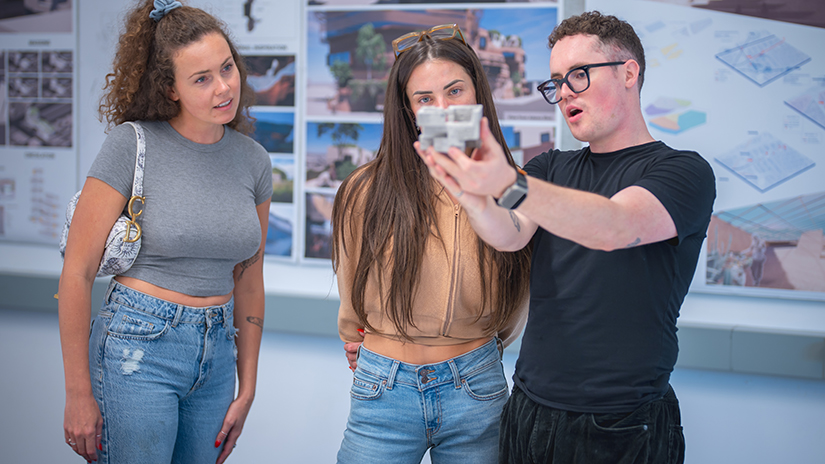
x,y
100,446
361,331
217,443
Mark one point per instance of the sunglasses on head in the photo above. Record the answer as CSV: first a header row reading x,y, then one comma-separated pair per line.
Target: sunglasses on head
x,y
442,32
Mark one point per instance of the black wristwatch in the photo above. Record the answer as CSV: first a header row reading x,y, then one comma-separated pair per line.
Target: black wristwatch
x,y
515,194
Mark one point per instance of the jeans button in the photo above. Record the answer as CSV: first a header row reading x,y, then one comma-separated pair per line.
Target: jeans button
x,y
424,373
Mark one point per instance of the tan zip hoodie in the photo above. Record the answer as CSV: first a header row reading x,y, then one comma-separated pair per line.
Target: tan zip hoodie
x,y
448,297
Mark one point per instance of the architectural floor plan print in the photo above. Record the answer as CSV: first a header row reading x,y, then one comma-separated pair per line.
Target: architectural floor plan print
x,y
765,59
764,162
811,103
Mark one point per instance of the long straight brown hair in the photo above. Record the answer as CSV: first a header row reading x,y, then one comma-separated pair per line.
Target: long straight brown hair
x,y
399,197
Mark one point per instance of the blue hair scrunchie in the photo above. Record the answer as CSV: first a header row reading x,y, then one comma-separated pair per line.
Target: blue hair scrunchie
x,y
162,8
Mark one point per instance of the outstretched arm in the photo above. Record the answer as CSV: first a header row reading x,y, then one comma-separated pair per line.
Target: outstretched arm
x,y
631,217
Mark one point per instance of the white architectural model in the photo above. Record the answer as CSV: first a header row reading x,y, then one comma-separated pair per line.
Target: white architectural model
x,y
456,126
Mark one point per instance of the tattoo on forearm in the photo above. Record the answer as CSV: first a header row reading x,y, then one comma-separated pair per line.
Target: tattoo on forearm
x,y
515,220
249,262
635,242
255,320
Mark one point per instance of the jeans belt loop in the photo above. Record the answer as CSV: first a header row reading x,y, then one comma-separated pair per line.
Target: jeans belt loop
x,y
225,316
228,309
178,314
393,372
500,346
456,375
109,290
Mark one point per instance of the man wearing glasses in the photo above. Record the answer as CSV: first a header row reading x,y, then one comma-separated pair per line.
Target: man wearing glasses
x,y
616,230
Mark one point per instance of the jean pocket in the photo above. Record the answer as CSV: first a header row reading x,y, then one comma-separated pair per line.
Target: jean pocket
x,y
134,324
486,384
366,386
614,439
639,420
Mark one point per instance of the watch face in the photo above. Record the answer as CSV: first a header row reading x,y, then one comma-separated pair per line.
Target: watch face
x,y
515,193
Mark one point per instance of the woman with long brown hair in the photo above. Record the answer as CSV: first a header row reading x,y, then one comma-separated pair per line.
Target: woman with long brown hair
x,y
155,380
435,303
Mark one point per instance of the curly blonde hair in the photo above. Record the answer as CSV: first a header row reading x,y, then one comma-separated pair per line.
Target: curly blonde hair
x,y
143,69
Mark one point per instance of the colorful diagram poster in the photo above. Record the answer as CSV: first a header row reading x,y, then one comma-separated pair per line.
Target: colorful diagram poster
x,y
745,88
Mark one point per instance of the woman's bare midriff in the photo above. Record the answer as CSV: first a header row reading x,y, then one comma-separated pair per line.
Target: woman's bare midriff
x,y
412,353
173,296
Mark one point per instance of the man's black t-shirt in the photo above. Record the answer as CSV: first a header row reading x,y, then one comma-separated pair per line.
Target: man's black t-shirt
x,y
601,334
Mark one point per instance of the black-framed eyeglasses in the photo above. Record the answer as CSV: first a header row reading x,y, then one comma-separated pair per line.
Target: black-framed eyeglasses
x,y
577,80
442,32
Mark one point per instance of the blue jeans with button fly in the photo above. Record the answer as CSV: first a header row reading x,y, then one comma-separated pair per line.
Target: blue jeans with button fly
x,y
163,375
398,411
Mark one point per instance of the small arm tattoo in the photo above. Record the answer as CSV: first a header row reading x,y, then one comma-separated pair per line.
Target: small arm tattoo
x,y
635,242
249,262
255,320
515,220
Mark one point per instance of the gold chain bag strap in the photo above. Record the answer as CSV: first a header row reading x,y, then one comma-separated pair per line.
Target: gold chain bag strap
x,y
123,243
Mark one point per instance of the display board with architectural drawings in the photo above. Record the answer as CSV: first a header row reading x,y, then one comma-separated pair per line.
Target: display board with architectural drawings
x,y
348,58
37,127
744,86
318,69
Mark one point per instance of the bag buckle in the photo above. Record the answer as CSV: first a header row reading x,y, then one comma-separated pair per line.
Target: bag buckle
x,y
132,217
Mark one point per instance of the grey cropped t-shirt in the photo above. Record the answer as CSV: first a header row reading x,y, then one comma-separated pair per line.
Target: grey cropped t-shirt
x,y
200,217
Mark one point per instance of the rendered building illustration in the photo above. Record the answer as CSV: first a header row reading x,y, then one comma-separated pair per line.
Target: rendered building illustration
x,y
502,55
456,126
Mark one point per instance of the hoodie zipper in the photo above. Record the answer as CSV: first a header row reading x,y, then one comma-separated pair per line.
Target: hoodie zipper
x,y
453,273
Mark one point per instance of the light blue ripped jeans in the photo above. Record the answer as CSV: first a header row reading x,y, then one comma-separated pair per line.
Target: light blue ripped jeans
x,y
163,375
398,411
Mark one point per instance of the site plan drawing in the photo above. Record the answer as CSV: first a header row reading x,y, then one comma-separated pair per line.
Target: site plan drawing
x,y
764,60
811,103
764,161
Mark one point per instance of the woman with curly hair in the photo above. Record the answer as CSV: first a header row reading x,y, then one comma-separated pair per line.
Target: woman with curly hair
x,y
434,302
155,380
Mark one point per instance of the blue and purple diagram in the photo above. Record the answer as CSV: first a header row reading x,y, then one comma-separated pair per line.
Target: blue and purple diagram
x,y
673,115
765,59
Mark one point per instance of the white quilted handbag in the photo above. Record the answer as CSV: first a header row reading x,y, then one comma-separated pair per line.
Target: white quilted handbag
x,y
123,243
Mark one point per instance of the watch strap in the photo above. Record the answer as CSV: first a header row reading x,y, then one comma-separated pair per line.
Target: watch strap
x,y
516,193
